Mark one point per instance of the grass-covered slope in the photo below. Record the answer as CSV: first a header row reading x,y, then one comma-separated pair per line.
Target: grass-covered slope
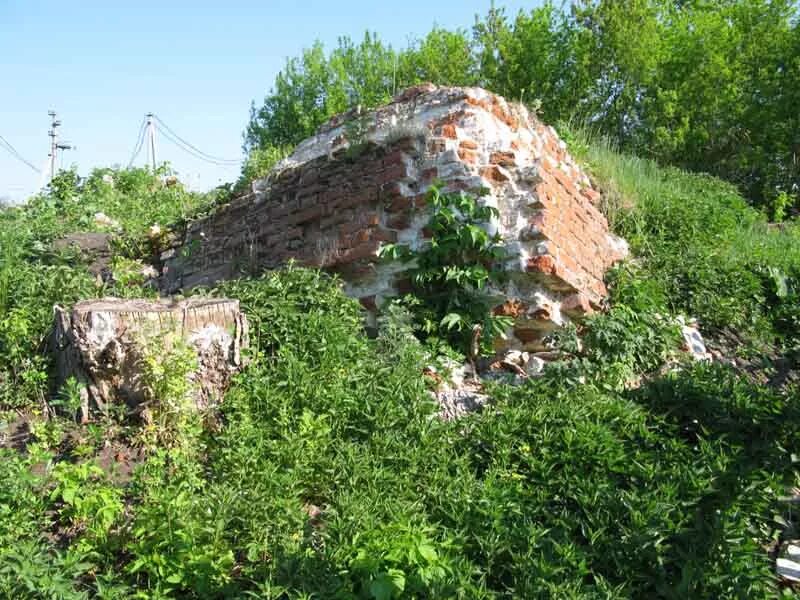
x,y
329,476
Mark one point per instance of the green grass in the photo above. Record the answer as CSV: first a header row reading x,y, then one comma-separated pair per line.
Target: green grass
x,y
706,251
329,476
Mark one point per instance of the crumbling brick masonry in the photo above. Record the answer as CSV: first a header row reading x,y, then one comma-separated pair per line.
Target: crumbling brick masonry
x,y
361,182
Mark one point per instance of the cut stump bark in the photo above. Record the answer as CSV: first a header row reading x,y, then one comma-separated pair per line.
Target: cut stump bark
x,y
103,343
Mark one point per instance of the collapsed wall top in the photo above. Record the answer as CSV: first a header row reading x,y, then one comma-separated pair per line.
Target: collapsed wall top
x,y
361,182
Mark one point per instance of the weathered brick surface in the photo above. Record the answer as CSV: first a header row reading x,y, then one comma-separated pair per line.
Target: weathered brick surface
x,y
335,200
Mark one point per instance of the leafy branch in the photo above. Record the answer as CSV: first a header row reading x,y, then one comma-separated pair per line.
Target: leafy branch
x,y
451,274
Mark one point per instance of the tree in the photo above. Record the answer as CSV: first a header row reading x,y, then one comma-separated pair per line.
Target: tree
x,y
708,85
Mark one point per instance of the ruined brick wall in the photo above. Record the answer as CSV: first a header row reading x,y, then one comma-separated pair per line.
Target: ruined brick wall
x,y
361,181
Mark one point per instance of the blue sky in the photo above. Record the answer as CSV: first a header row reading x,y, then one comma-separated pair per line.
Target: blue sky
x,y
102,64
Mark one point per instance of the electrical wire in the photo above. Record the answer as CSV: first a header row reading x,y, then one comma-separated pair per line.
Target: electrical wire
x,y
169,138
191,149
139,141
13,151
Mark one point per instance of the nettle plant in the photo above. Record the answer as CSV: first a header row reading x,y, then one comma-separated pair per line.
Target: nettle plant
x,y
451,273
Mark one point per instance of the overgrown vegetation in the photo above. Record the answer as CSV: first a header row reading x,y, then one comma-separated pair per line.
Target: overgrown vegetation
x,y
707,86
625,470
450,274
35,275
700,248
622,472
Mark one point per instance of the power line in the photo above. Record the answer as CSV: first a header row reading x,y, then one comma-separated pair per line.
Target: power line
x,y
192,147
201,156
192,153
178,140
139,141
13,151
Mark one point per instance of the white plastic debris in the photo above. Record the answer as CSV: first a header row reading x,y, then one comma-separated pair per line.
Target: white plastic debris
x,y
788,569
693,341
103,220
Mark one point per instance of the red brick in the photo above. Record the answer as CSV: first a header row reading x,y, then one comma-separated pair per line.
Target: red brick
x,y
392,173
505,117
468,144
511,308
399,221
383,235
309,214
493,174
368,302
429,175
366,250
400,203
504,159
421,200
436,145
468,156
361,236
393,158
576,305
591,195
449,131
542,264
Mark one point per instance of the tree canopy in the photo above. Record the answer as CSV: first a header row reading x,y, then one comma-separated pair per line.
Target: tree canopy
x,y
708,85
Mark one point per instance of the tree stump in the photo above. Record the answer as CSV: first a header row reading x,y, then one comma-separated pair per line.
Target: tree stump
x,y
104,344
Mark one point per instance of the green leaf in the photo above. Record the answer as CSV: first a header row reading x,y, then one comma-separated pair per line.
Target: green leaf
x,y
452,320
68,495
428,552
383,587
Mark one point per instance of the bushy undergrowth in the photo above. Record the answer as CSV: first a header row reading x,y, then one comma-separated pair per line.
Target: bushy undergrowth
x,y
623,472
34,275
701,249
331,478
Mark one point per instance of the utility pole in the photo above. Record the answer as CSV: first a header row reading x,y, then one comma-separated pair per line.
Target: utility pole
x,y
54,145
53,133
151,132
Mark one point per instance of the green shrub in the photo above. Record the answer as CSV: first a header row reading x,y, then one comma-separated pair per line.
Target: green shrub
x,y
451,272
699,242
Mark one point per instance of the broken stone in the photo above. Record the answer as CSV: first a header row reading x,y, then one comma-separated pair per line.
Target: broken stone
x,y
103,343
516,357
455,403
534,367
93,247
